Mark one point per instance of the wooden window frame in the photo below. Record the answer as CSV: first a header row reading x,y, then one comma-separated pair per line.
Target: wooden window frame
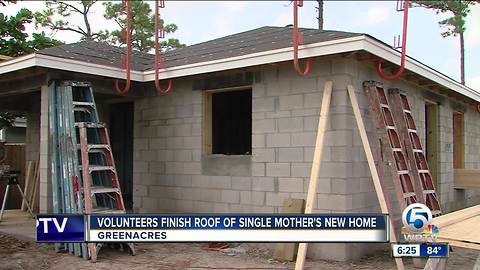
x,y
432,145
207,115
458,142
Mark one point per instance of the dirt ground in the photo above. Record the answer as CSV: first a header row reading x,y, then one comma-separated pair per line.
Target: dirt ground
x,y
17,254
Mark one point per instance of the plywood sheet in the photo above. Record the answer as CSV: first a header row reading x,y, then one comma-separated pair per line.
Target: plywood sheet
x,y
459,228
465,179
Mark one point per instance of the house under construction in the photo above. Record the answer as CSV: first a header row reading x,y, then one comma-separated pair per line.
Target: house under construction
x,y
236,133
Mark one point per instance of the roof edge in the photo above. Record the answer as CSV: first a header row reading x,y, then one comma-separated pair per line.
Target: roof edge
x,y
373,46
362,42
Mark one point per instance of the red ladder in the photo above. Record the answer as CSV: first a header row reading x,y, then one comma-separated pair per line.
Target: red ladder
x,y
101,188
413,145
391,145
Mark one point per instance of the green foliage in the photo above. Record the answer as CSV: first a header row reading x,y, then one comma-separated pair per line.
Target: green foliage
x,y
63,10
13,39
7,119
143,27
458,9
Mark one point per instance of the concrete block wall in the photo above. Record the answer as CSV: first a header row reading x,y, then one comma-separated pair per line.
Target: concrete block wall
x,y
171,174
44,163
450,198
32,136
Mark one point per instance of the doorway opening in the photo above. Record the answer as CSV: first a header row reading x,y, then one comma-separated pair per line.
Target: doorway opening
x,y
432,139
121,139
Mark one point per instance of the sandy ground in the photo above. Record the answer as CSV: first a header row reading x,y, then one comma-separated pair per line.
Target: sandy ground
x,y
18,254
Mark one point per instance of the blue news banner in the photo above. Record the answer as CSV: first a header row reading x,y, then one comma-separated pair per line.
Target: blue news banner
x,y
213,228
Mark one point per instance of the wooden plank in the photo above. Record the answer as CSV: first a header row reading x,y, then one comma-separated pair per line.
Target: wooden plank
x,y
462,231
207,123
287,251
457,216
458,141
317,158
436,264
29,178
465,178
371,165
456,228
455,243
34,195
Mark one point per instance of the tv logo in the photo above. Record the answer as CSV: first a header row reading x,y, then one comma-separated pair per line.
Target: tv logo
x,y
60,228
416,217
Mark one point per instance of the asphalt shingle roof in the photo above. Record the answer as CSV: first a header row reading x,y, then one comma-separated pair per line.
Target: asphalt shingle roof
x,y
253,41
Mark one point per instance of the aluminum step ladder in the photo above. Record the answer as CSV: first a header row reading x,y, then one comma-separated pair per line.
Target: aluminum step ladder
x,y
84,178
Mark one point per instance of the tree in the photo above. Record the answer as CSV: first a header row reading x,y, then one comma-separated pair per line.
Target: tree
x,y
8,118
63,10
320,14
455,25
14,41
143,27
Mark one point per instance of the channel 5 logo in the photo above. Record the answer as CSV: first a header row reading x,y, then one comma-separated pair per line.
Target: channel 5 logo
x,y
416,217
60,228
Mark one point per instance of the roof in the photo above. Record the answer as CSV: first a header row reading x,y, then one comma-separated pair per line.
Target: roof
x,y
253,41
99,53
265,45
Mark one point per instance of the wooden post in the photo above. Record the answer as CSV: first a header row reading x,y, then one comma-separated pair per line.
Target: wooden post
x,y
317,158
371,165
287,251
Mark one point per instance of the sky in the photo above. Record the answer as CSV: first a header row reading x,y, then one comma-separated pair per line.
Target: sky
x,y
200,21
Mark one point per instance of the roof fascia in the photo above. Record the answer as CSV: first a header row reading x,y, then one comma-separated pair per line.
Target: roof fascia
x,y
377,48
260,58
85,67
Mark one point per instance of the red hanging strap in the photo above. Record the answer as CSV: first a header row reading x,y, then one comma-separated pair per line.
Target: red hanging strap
x,y
159,31
127,59
404,49
297,39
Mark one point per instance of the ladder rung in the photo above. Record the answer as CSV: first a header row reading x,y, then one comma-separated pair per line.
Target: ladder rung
x,y
90,125
397,149
403,172
384,105
407,111
83,103
93,147
107,211
99,168
390,127
408,194
100,189
429,191
81,109
417,150
412,130
423,171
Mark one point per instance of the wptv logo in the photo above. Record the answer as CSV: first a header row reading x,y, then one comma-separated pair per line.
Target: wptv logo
x,y
417,219
60,228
